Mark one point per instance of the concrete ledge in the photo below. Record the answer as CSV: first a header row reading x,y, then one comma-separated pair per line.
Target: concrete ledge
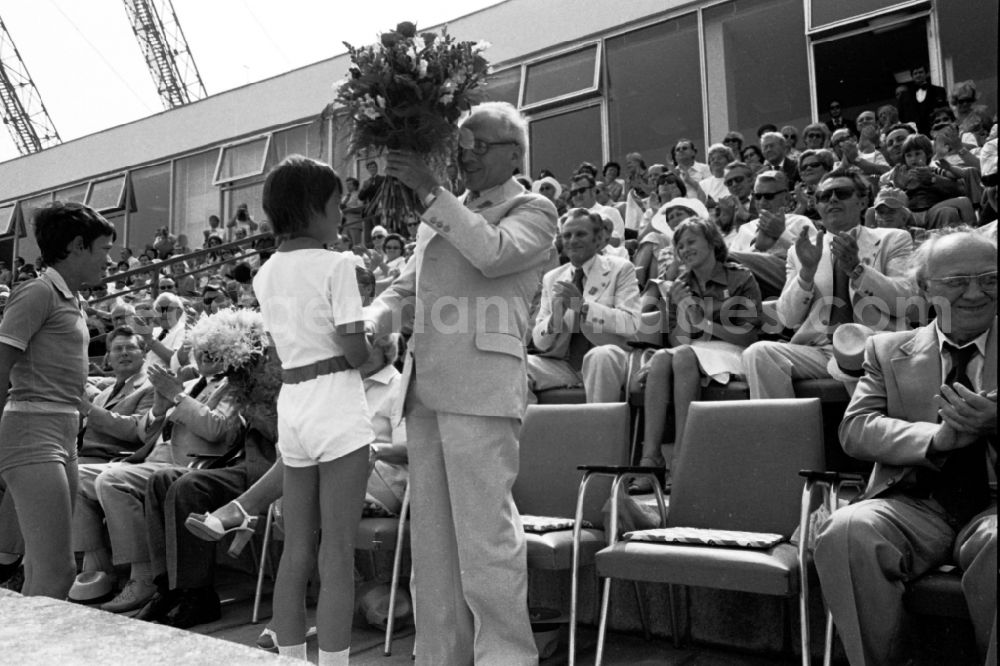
x,y
40,630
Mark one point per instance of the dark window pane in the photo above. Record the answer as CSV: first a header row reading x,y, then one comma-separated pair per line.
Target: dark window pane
x,y
504,86
302,140
6,218
829,11
73,193
107,194
654,89
151,191
560,76
967,28
27,247
560,142
749,86
195,197
242,160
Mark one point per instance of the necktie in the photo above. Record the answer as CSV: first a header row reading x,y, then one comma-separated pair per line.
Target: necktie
x,y
168,427
470,198
841,312
162,335
579,345
962,485
119,385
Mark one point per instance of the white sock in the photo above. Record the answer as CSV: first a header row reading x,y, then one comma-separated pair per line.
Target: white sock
x,y
339,658
293,651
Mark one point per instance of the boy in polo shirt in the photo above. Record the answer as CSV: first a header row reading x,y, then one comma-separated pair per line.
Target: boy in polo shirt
x,y
43,358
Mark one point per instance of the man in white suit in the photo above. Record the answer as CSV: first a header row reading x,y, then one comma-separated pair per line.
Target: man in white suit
x,y
588,304
469,284
925,412
849,274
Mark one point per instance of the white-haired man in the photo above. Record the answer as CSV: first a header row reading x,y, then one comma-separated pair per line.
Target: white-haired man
x,y
472,277
775,150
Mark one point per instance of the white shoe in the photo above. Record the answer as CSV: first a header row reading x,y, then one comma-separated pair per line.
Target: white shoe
x,y
132,597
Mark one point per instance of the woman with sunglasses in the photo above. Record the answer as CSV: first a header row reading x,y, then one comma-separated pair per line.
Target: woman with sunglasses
x,y
753,157
390,262
813,165
815,136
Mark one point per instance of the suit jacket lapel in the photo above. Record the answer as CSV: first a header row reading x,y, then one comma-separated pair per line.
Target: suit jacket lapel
x,y
598,279
918,365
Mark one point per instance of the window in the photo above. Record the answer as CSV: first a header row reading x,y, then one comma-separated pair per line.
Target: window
x,y
748,85
151,193
107,195
302,140
73,193
825,12
504,86
195,197
560,141
241,160
562,76
967,28
7,218
252,196
654,89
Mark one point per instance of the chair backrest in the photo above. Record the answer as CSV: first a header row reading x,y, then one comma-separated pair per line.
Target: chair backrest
x,y
557,438
737,467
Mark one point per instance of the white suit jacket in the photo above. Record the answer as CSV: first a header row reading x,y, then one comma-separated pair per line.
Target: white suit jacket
x,y
879,296
468,288
612,293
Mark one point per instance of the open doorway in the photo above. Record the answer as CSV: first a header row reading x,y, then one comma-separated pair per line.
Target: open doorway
x,y
862,69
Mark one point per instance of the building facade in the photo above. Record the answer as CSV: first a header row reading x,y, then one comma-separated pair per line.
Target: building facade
x,y
596,80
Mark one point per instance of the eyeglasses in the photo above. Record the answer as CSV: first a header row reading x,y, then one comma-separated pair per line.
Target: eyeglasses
x,y
965,100
393,247
986,281
413,224
165,309
480,147
731,140
125,349
843,193
815,135
735,180
579,190
377,237
167,286
809,165
767,196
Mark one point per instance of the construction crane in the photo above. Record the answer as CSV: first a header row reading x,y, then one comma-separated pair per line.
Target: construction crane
x,y
24,114
168,57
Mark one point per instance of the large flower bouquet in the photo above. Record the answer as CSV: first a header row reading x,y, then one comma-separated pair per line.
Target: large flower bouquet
x,y
408,92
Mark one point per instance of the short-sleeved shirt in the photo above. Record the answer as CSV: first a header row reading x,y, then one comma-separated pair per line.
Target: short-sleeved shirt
x,y
730,297
304,295
43,319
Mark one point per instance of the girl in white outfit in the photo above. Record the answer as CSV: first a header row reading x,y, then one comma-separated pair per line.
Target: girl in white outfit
x,y
311,306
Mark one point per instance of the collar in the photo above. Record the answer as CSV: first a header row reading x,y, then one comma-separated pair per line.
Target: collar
x,y
383,376
587,265
136,377
979,341
719,274
496,194
57,280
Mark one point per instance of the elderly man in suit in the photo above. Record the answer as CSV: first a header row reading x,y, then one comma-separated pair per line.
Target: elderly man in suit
x,y
925,412
850,273
589,311
199,419
470,282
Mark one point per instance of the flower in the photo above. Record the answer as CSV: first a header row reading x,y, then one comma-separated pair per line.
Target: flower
x,y
390,38
233,337
406,29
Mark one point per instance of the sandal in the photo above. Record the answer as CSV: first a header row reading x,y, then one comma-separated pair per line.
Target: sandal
x,y
642,485
210,527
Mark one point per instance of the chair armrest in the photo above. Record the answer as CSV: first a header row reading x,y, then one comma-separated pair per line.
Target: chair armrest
x,y
612,470
829,476
618,474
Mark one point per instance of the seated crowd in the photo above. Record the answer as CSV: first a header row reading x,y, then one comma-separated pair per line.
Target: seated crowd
x,y
663,278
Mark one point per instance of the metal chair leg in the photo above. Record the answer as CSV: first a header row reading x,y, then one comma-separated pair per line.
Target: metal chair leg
x,y
642,611
268,522
675,619
602,626
828,640
397,558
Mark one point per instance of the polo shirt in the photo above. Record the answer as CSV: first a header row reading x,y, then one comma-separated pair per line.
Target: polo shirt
x,y
43,319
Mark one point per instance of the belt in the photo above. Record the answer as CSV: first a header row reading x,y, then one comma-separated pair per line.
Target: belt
x,y
304,373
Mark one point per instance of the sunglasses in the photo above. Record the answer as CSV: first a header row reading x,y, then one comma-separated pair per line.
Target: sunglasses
x,y
377,237
843,193
731,140
165,309
735,180
815,135
767,196
579,190
809,165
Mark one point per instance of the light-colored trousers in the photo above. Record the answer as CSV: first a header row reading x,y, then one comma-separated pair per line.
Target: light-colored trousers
x,y
866,552
603,373
469,550
771,367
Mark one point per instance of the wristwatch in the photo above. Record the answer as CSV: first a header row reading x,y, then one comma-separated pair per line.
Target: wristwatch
x,y
858,270
177,398
432,196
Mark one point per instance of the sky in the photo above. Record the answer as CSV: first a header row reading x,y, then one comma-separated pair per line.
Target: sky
x,y
86,63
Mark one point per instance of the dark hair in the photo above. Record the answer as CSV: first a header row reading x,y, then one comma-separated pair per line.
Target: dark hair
x,y
242,273
754,149
861,185
900,126
765,128
352,179
824,156
709,230
673,149
918,142
58,223
608,165
671,178
946,110
124,332
297,188
583,175
394,237
585,167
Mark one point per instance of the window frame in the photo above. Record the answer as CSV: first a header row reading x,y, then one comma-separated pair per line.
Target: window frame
x,y
217,180
592,90
122,193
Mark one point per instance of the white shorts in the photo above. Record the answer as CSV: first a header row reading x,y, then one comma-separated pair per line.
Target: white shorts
x,y
323,419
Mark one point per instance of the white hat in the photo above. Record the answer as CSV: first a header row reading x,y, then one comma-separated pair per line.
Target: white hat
x,y
848,352
378,228
659,221
91,587
536,187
